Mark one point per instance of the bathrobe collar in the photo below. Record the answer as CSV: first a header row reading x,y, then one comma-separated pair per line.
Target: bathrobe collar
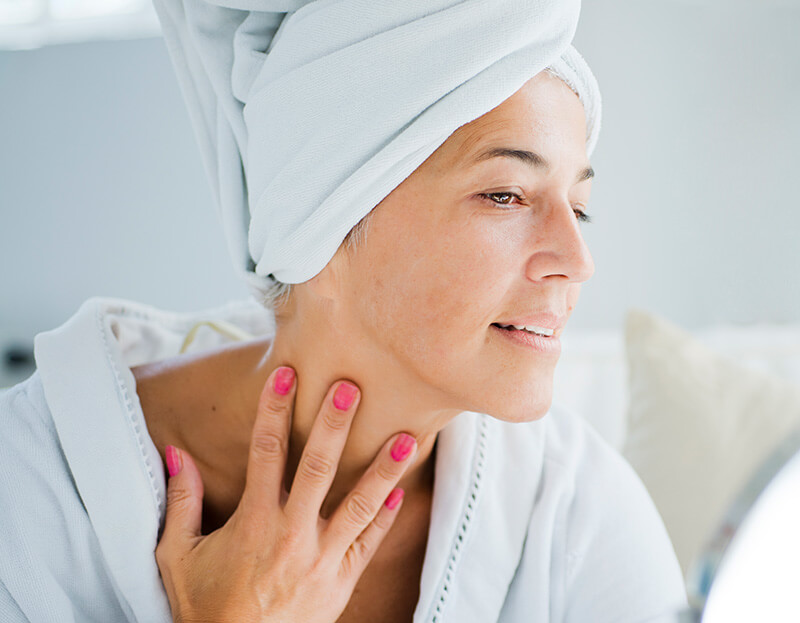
x,y
485,474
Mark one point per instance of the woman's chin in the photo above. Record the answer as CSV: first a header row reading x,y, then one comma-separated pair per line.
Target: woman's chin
x,y
522,404
527,413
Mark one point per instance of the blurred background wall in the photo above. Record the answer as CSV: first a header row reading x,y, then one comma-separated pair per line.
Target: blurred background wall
x,y
695,205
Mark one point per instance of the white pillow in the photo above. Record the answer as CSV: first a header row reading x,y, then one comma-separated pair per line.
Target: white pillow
x,y
699,425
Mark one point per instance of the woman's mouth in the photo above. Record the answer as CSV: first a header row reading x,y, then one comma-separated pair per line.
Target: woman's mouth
x,y
537,338
529,328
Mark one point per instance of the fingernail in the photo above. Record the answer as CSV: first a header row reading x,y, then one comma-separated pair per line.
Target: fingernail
x,y
173,460
394,499
284,378
344,396
402,447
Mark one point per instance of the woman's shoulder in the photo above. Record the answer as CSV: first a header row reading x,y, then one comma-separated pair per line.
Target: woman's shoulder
x,y
81,485
594,536
51,566
29,438
23,402
559,517
28,429
584,478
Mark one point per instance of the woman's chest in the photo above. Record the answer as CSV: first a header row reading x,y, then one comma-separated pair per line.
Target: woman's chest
x,y
389,589
387,592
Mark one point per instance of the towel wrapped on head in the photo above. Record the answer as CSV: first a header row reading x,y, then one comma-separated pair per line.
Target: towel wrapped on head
x,y
309,113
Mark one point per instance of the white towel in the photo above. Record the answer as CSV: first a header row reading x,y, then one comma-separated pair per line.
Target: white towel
x,y
309,113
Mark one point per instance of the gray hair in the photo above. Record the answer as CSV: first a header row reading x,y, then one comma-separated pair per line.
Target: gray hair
x,y
272,293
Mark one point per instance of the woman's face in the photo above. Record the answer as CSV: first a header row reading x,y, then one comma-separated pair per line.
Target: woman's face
x,y
485,232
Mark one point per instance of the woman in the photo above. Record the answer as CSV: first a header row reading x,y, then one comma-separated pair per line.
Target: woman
x,y
344,462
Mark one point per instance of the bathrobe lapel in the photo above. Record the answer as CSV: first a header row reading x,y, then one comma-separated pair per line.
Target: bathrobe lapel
x,y
484,492
116,469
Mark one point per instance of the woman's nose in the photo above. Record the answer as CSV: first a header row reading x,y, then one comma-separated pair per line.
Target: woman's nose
x,y
558,246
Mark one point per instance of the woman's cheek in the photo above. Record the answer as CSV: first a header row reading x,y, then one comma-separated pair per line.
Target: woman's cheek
x,y
573,293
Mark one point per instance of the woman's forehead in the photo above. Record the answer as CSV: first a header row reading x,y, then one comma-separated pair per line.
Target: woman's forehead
x,y
547,124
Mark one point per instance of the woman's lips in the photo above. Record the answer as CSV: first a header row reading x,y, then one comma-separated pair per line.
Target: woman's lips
x,y
525,339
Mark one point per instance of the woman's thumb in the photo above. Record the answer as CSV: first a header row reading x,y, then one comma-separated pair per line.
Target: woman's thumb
x,y
184,497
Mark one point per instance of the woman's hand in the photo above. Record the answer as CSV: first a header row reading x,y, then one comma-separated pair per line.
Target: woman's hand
x,y
276,559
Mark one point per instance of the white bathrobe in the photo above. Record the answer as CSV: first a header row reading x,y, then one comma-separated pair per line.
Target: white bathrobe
x,y
532,522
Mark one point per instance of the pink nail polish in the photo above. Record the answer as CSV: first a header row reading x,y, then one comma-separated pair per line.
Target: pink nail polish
x,y
174,464
284,378
402,447
344,396
394,499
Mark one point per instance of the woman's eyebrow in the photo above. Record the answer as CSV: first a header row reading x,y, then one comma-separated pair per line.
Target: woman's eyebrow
x,y
586,174
530,158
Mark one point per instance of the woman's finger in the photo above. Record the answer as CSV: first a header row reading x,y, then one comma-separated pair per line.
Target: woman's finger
x,y
183,520
364,547
269,443
321,454
362,504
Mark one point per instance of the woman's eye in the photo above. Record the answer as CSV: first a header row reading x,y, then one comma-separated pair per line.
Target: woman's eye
x,y
502,198
582,216
505,198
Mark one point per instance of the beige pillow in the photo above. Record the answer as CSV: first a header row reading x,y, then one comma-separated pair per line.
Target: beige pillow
x,y
699,424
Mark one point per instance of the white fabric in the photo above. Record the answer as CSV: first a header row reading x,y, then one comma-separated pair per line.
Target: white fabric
x,y
309,113
559,529
699,425
591,379
592,373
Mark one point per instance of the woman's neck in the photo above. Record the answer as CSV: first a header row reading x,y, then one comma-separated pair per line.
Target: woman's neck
x,y
390,403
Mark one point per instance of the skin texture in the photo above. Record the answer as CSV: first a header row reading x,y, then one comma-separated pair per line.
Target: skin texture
x,y
407,317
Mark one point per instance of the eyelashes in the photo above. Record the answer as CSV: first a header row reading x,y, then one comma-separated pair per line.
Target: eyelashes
x,y
491,198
